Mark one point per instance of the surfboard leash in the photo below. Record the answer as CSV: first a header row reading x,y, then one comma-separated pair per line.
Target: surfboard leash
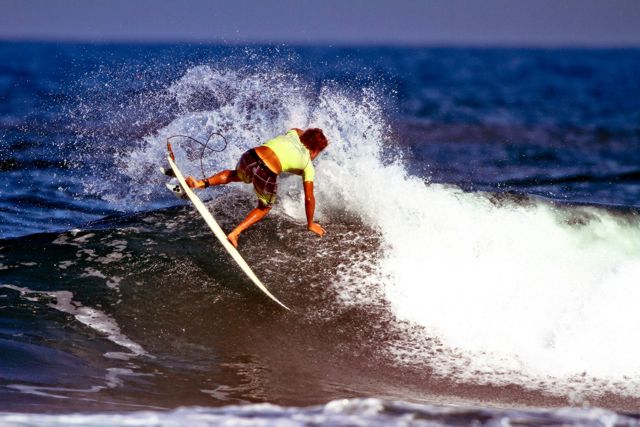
x,y
203,144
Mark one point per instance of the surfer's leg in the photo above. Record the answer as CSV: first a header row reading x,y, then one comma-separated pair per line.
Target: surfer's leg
x,y
224,177
254,216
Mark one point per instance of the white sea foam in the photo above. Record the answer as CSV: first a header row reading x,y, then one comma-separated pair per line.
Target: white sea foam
x,y
63,265
65,238
92,272
89,316
84,239
114,282
513,294
112,379
344,412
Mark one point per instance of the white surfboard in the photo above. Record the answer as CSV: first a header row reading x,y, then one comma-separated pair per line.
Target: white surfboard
x,y
213,225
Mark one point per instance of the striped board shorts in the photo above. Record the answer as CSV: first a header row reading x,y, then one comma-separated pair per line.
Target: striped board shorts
x,y
251,169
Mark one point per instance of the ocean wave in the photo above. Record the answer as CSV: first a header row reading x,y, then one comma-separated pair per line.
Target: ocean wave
x,y
159,282
417,289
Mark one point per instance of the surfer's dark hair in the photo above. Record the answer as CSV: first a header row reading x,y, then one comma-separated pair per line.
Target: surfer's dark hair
x,y
314,139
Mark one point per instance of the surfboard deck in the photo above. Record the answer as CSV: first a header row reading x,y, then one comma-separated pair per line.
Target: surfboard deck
x,y
217,231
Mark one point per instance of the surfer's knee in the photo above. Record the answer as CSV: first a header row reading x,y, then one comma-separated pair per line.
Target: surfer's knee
x,y
264,207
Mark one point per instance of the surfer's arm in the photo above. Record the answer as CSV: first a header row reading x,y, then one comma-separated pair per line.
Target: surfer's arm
x,y
310,207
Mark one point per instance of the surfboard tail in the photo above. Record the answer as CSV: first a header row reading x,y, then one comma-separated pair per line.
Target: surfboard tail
x,y
177,191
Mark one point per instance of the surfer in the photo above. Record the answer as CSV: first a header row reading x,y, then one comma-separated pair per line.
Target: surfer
x,y
292,152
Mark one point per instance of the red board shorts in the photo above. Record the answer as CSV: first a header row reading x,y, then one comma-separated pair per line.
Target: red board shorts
x,y
251,169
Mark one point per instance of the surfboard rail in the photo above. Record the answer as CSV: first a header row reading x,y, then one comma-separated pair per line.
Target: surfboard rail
x,y
217,231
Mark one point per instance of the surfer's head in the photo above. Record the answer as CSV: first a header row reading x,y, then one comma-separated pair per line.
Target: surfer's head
x,y
314,140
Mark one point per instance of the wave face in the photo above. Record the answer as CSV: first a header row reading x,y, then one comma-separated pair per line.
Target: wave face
x,y
420,291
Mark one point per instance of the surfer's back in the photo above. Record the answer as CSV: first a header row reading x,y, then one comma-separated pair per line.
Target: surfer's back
x,y
293,155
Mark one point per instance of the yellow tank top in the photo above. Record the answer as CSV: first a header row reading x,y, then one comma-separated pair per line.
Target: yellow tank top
x,y
293,155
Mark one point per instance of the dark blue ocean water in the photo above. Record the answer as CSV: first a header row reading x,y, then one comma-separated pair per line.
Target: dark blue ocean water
x,y
482,243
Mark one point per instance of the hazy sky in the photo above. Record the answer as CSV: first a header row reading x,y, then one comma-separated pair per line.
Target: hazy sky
x,y
472,22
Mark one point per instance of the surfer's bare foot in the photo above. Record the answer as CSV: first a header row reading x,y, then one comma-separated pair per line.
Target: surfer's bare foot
x,y
194,183
233,239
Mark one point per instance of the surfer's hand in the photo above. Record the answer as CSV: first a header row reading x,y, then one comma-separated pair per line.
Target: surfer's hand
x,y
194,183
316,228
